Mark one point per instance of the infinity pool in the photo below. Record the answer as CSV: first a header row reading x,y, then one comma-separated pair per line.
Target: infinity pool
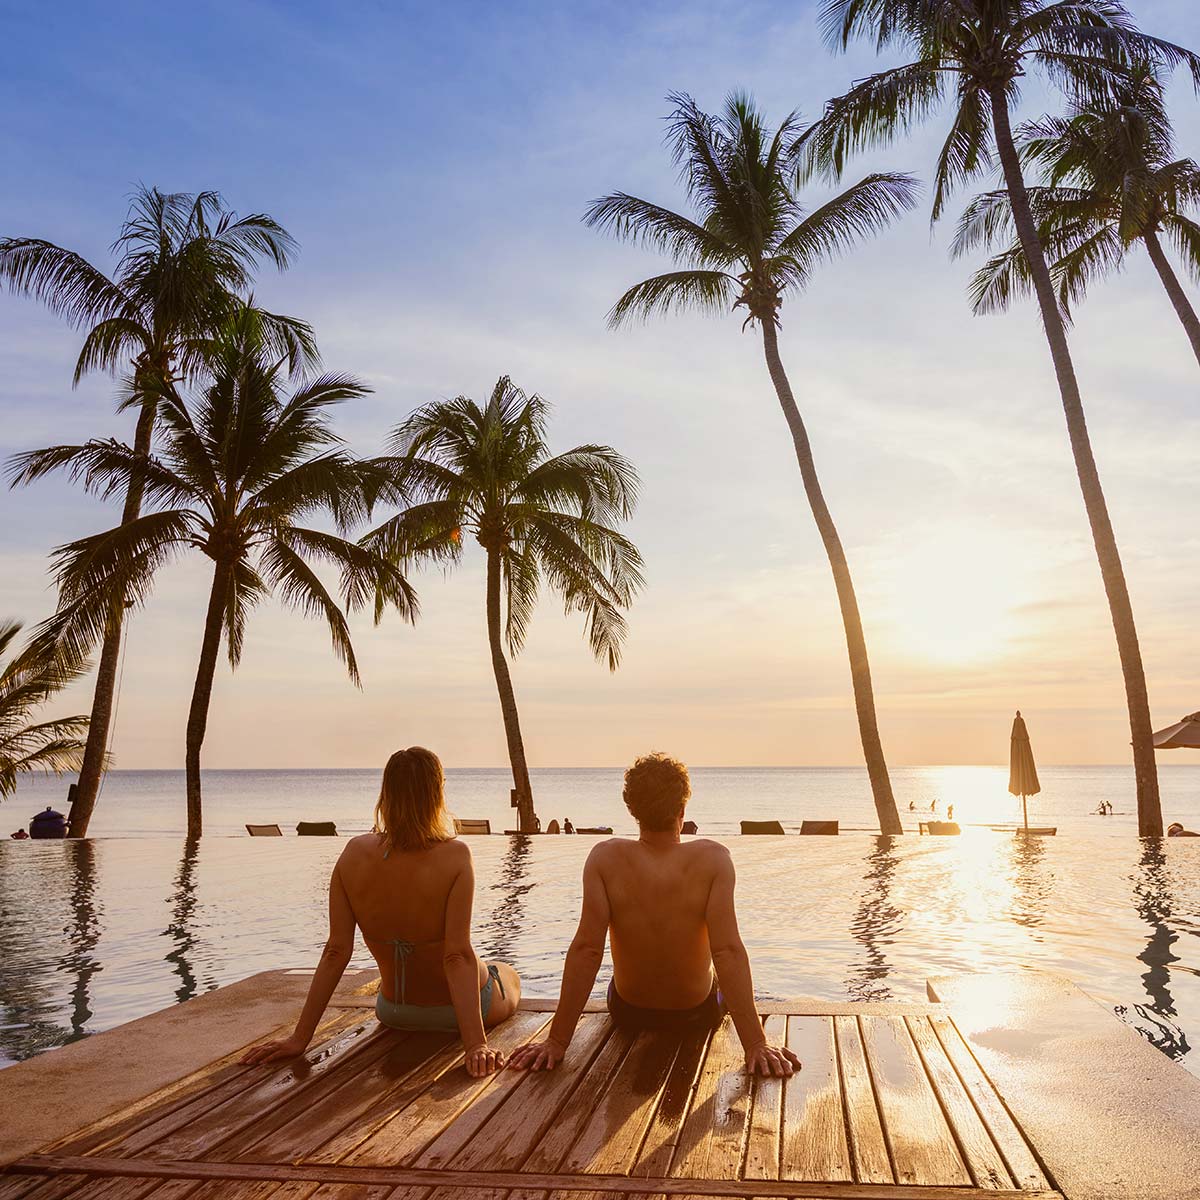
x,y
98,932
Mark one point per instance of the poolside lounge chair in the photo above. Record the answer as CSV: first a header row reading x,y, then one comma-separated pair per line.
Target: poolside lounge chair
x,y
759,827
471,825
818,827
264,831
940,828
316,829
690,827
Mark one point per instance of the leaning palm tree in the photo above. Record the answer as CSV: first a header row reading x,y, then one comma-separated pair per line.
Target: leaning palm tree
x,y
485,470
238,473
1111,182
749,244
182,262
979,51
30,678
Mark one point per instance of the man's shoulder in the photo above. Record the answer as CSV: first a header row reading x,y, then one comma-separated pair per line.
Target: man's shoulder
x,y
708,849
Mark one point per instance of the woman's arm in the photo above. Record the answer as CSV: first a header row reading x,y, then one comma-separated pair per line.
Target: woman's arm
x,y
579,974
332,966
462,972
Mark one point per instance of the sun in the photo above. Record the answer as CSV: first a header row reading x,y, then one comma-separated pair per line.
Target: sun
x,y
953,595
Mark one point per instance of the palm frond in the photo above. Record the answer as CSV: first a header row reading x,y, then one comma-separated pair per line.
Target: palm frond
x,y
676,291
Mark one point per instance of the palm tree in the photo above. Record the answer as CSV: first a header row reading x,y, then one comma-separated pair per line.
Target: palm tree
x,y
238,469
182,261
461,467
1111,182
980,50
748,245
30,678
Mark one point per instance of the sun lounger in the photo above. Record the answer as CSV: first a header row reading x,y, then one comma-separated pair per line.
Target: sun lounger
x,y
940,828
605,829
316,829
690,827
818,827
264,831
760,827
471,825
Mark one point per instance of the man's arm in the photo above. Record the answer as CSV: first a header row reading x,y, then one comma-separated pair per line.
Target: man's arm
x,y
579,973
335,958
733,973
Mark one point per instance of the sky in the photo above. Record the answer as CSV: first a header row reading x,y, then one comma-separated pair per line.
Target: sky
x,y
433,161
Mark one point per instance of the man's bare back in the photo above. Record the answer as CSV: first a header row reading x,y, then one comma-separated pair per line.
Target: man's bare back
x,y
658,899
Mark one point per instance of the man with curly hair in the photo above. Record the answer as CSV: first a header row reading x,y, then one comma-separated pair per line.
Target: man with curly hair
x,y
678,959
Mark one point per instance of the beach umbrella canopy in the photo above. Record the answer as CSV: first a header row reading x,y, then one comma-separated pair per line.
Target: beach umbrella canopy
x,y
1022,770
1183,735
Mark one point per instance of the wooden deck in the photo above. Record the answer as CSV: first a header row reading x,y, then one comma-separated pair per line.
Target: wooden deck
x,y
891,1105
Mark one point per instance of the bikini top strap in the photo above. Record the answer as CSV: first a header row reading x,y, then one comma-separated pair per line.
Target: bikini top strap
x,y
401,949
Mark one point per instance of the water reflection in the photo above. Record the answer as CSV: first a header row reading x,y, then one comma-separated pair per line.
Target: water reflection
x,y
181,929
1155,904
503,931
1031,883
876,924
82,934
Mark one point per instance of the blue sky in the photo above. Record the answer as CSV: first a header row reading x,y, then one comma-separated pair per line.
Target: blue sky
x,y
433,162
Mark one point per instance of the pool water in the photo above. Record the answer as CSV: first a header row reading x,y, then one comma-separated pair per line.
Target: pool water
x,y
98,932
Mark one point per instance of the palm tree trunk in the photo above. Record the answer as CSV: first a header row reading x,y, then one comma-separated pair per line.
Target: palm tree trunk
x,y
91,770
202,693
856,642
1145,768
528,822
1170,281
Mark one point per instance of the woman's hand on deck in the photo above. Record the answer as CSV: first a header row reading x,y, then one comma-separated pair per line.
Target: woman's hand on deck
x,y
266,1052
766,1059
537,1056
482,1060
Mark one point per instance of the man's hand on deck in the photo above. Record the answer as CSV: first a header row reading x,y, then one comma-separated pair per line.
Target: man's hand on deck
x,y
771,1060
537,1056
266,1052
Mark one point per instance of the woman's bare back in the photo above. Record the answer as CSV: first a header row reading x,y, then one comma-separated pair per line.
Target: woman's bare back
x,y
403,896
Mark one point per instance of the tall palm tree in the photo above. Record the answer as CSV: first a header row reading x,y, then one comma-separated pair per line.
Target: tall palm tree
x,y
238,473
462,467
978,51
1111,182
31,677
748,245
182,262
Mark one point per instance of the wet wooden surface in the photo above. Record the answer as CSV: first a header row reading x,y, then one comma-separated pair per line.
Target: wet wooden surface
x,y
890,1104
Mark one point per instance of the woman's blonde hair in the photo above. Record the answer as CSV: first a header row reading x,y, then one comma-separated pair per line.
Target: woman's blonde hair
x,y
411,813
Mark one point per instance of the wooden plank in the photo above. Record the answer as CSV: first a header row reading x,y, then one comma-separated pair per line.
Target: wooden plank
x,y
1013,1147
815,1145
298,1127
766,1114
661,1142
712,1137
470,1181
868,1149
922,1147
610,1117
213,1082
540,1107
806,1006
975,1144
191,1126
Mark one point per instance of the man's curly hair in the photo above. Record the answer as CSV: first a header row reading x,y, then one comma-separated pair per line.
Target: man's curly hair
x,y
656,792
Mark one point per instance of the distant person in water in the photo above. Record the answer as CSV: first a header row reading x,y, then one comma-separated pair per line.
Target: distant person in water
x,y
669,908
912,805
567,826
1176,829
409,885
950,812
20,835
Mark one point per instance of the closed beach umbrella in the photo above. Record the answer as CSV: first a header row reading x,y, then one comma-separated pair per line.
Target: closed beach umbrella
x,y
1022,771
1183,735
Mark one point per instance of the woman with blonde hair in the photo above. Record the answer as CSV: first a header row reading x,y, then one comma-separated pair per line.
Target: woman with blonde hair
x,y
409,885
